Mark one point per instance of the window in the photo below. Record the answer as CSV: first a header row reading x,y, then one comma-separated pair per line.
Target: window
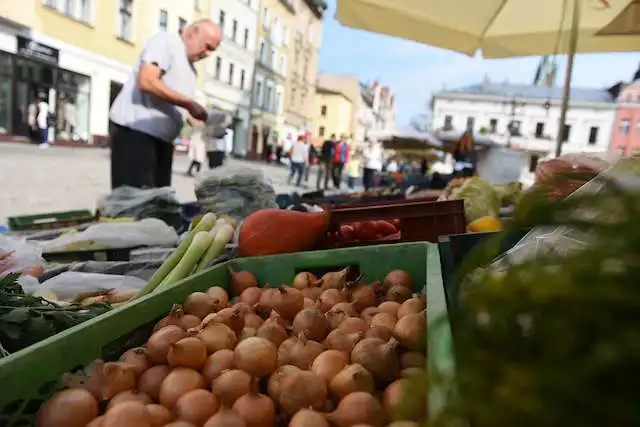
x,y
265,18
470,122
182,24
625,124
323,111
268,98
292,101
539,129
68,7
493,125
285,35
50,3
276,101
593,135
245,40
85,10
242,77
448,122
125,20
257,96
234,31
197,6
218,69
231,70
164,20
533,163
566,132
273,63
221,21
261,54
283,65
321,131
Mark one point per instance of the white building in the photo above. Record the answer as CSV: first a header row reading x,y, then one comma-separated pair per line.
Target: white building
x,y
230,70
377,111
527,116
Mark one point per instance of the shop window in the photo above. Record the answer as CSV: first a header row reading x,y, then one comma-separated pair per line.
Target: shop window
x,y
218,68
593,135
231,71
566,133
448,122
164,20
221,19
242,78
245,41
470,123
125,22
493,126
182,24
533,162
539,129
234,31
6,99
72,106
267,98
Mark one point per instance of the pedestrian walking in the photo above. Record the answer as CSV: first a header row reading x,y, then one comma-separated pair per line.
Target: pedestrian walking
x,y
42,119
149,112
32,122
313,160
354,171
325,162
299,157
340,158
197,147
372,165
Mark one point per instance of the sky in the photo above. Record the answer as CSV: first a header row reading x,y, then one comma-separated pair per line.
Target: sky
x,y
414,71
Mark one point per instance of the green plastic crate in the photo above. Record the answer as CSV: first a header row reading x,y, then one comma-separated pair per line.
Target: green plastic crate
x,y
50,221
31,375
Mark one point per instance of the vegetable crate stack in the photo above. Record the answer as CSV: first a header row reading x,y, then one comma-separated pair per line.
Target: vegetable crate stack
x,y
315,339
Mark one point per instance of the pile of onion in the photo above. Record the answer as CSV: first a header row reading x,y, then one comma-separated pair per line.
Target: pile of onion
x,y
322,352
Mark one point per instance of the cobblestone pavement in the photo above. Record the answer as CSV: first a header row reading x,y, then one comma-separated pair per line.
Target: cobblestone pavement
x,y
38,181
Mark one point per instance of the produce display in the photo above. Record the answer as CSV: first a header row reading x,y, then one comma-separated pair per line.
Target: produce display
x,y
367,231
323,352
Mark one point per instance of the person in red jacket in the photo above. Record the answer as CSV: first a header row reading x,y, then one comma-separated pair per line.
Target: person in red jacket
x,y
340,158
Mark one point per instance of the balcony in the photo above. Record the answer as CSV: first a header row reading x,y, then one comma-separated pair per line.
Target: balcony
x,y
288,4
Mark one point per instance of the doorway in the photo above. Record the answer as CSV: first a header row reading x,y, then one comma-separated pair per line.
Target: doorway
x,y
253,152
33,80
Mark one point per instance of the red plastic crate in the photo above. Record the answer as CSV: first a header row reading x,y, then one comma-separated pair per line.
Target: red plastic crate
x,y
420,220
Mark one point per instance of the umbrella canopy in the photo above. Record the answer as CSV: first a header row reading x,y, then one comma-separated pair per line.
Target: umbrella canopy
x,y
501,28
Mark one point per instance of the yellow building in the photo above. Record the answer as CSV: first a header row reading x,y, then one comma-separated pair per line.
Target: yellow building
x,y
76,53
332,113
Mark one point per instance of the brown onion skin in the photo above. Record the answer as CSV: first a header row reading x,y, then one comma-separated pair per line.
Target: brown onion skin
x,y
127,414
251,296
329,363
225,417
173,318
256,409
302,390
55,411
97,422
233,317
241,280
362,296
252,320
217,363
219,296
230,385
413,359
118,377
345,307
398,293
196,407
189,321
329,298
390,307
352,378
247,333
301,352
256,356
354,324
312,293
159,416
217,336
189,352
178,382
411,331
199,304
312,323
413,305
399,408
341,341
385,320
130,396
380,332
304,280
403,424
358,408
159,343
289,302
308,418
368,313
378,357
150,381
138,358
398,277
273,330
180,424
274,385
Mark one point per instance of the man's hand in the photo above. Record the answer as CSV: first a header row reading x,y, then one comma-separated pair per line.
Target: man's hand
x,y
196,111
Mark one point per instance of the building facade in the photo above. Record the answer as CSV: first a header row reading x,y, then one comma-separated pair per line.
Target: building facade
x,y
626,130
77,54
230,70
332,114
378,112
527,114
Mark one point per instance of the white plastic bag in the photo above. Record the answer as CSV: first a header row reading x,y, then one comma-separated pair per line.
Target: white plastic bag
x,y
19,255
114,235
66,286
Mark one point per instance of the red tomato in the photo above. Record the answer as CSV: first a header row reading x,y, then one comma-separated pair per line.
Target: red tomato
x,y
394,222
395,236
385,228
347,232
368,230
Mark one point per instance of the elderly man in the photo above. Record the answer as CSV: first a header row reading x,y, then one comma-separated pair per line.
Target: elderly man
x,y
150,111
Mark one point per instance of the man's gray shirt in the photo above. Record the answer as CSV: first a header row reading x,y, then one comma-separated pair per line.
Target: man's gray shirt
x,y
142,112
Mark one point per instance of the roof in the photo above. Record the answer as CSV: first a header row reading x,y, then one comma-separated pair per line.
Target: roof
x,y
508,90
326,91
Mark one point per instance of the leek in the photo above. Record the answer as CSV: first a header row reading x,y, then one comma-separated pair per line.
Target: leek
x,y
188,262
222,236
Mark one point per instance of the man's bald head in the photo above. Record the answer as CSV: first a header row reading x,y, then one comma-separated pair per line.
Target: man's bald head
x,y
201,38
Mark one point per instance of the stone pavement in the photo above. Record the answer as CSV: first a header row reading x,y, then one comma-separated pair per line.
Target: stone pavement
x,y
37,181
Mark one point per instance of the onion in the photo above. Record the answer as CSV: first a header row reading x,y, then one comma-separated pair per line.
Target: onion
x,y
159,416
398,277
328,363
158,344
137,358
233,317
312,293
252,320
117,377
397,405
302,390
413,359
189,352
196,407
215,364
150,381
329,298
178,382
345,307
273,330
358,408
362,296
256,409
274,385
217,336
378,357
390,307
335,279
189,321
351,379
335,318
308,303
127,414
398,293
384,319
225,418
403,424
308,418
180,424
251,296
412,305
97,422
299,351
199,304
412,372
230,385
219,296
368,313
57,412
289,302
304,280
241,280
343,341
381,332
129,396
354,324
411,331
173,318
312,323
256,356
268,300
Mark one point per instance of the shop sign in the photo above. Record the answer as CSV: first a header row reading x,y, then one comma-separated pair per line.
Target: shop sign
x,y
32,49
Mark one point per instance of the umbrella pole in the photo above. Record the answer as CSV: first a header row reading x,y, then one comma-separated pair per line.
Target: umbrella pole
x,y
573,43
